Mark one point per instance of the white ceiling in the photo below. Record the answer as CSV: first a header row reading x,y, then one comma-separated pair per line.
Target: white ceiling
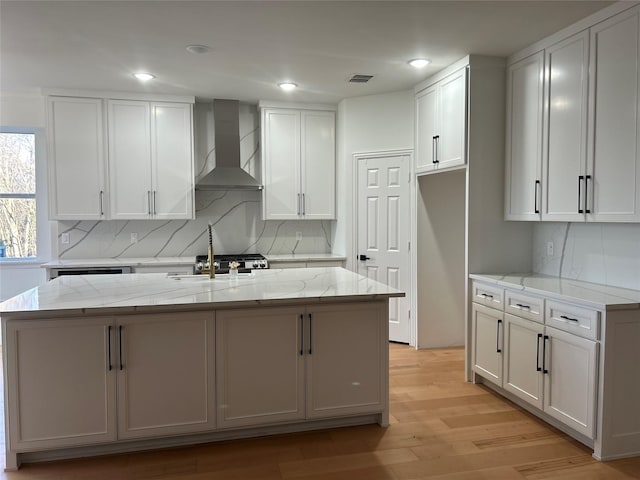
x,y
317,44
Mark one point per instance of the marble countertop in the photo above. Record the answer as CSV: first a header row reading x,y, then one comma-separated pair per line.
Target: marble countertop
x,y
595,295
119,262
88,294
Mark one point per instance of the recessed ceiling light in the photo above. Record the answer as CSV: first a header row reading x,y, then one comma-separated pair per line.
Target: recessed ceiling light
x,y
143,76
287,86
198,49
419,62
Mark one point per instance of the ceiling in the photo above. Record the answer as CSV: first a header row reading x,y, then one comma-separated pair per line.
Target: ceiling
x,y
254,45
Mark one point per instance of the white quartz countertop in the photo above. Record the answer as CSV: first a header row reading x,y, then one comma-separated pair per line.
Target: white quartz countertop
x,y
119,262
147,292
304,257
598,296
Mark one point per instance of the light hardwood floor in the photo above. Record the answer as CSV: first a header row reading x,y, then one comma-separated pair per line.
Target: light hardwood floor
x,y
441,428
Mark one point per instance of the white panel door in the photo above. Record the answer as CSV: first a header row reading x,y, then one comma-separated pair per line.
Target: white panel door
x,y
613,188
61,382
426,120
318,160
450,145
165,374
524,138
172,160
565,159
129,159
384,231
76,159
260,358
487,342
523,359
570,372
281,138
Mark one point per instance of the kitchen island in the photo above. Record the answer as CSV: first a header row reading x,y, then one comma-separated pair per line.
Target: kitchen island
x,y
111,363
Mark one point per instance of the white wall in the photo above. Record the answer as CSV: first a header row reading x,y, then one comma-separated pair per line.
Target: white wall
x,y
607,253
366,124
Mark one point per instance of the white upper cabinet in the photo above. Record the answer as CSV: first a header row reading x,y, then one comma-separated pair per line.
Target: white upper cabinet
x,y
613,173
298,151
524,138
150,160
565,128
77,188
440,111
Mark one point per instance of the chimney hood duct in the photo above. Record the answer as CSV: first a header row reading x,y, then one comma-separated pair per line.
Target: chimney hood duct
x,y
227,174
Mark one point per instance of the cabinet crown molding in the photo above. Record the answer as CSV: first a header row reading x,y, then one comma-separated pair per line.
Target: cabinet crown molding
x,y
110,95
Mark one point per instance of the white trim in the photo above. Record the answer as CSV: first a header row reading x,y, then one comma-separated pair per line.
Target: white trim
x,y
110,95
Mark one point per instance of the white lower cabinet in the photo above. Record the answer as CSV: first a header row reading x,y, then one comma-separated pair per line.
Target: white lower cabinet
x,y
487,342
63,383
294,363
165,374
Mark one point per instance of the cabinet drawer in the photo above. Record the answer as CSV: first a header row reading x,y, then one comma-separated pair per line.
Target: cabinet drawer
x,y
488,295
524,306
581,321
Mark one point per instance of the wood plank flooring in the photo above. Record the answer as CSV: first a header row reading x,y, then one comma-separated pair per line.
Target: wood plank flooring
x,y
442,428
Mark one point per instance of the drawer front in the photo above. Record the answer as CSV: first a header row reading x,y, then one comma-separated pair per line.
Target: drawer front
x,y
581,321
488,295
524,306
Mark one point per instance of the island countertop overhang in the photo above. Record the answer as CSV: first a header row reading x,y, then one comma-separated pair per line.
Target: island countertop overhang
x,y
137,293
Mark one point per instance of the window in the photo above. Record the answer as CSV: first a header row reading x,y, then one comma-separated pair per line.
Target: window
x,y
17,195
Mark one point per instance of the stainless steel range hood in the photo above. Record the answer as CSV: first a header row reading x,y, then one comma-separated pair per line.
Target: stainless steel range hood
x,y
227,174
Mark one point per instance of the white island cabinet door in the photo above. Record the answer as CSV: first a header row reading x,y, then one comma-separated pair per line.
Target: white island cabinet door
x,y
129,159
318,160
282,197
613,188
165,374
524,138
487,346
60,383
347,348
171,151
76,159
260,366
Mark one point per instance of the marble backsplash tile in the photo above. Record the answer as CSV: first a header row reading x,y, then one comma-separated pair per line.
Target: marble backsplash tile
x,y
605,253
237,226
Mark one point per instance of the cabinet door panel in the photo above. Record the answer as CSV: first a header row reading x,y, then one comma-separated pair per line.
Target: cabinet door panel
x,y
165,375
346,359
260,368
426,118
487,343
281,140
318,165
76,158
452,120
129,159
524,137
59,383
615,189
172,161
523,359
570,384
566,129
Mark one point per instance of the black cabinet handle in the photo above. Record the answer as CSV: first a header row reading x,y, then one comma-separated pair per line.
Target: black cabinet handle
x,y
486,295
498,349
310,333
586,193
437,138
523,306
109,346
535,197
564,317
155,207
101,202
299,209
301,334
120,346
580,179
304,205
149,201
538,369
544,354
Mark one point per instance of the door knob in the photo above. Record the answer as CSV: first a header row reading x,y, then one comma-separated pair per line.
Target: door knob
x,y
364,258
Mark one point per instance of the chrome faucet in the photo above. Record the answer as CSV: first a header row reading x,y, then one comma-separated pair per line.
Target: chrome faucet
x,y
212,268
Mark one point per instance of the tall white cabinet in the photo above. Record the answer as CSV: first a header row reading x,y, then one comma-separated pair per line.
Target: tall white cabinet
x,y
77,169
298,154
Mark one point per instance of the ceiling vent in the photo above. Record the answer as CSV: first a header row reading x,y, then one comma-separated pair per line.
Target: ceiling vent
x,y
360,78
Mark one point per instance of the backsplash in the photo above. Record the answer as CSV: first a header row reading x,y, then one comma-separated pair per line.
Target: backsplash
x,y
605,253
237,228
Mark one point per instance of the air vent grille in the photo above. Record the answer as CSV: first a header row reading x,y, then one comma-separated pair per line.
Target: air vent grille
x,y
360,78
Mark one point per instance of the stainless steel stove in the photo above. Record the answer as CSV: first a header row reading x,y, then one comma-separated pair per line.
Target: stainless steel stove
x,y
246,263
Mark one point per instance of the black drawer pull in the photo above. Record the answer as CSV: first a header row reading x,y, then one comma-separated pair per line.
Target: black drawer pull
x,y
486,295
521,305
564,317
